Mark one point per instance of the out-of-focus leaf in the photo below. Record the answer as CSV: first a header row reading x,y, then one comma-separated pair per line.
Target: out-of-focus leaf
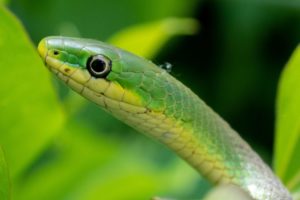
x,y
73,156
29,111
86,166
4,1
50,17
296,195
147,39
287,145
122,180
4,178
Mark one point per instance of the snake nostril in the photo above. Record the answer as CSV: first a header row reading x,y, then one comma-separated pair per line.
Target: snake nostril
x,y
67,70
55,52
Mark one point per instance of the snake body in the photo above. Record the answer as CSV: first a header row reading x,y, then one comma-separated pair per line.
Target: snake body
x,y
150,100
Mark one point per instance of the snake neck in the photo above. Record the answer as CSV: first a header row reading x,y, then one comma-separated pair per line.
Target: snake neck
x,y
202,138
197,134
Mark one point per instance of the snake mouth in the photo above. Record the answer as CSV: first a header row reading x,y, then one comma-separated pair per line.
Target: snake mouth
x,y
64,70
105,94
42,48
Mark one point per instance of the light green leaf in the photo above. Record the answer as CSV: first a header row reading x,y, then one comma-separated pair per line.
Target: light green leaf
x,y
147,39
287,145
84,165
4,1
29,110
73,156
4,179
296,193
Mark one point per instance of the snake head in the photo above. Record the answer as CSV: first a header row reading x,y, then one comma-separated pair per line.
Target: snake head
x,y
108,76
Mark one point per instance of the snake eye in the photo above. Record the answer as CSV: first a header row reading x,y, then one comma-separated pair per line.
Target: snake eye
x,y
55,52
99,66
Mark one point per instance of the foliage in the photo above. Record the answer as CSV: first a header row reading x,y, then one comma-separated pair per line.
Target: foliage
x,y
287,164
59,146
152,35
4,178
36,127
24,117
3,1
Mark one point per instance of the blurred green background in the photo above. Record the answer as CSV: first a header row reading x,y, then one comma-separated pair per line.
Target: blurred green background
x,y
232,60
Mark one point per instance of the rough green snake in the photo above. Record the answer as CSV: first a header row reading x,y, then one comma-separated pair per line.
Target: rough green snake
x,y
149,99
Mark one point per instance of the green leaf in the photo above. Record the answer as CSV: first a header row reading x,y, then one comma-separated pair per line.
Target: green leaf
x,y
29,111
4,179
287,145
84,165
65,165
296,194
147,39
4,1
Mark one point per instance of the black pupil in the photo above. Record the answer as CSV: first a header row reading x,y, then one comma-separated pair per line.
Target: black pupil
x,y
98,65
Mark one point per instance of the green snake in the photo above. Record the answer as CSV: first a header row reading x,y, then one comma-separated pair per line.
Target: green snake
x,y
149,99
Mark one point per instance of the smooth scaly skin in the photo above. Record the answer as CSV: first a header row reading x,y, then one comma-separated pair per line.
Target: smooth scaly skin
x,y
150,100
